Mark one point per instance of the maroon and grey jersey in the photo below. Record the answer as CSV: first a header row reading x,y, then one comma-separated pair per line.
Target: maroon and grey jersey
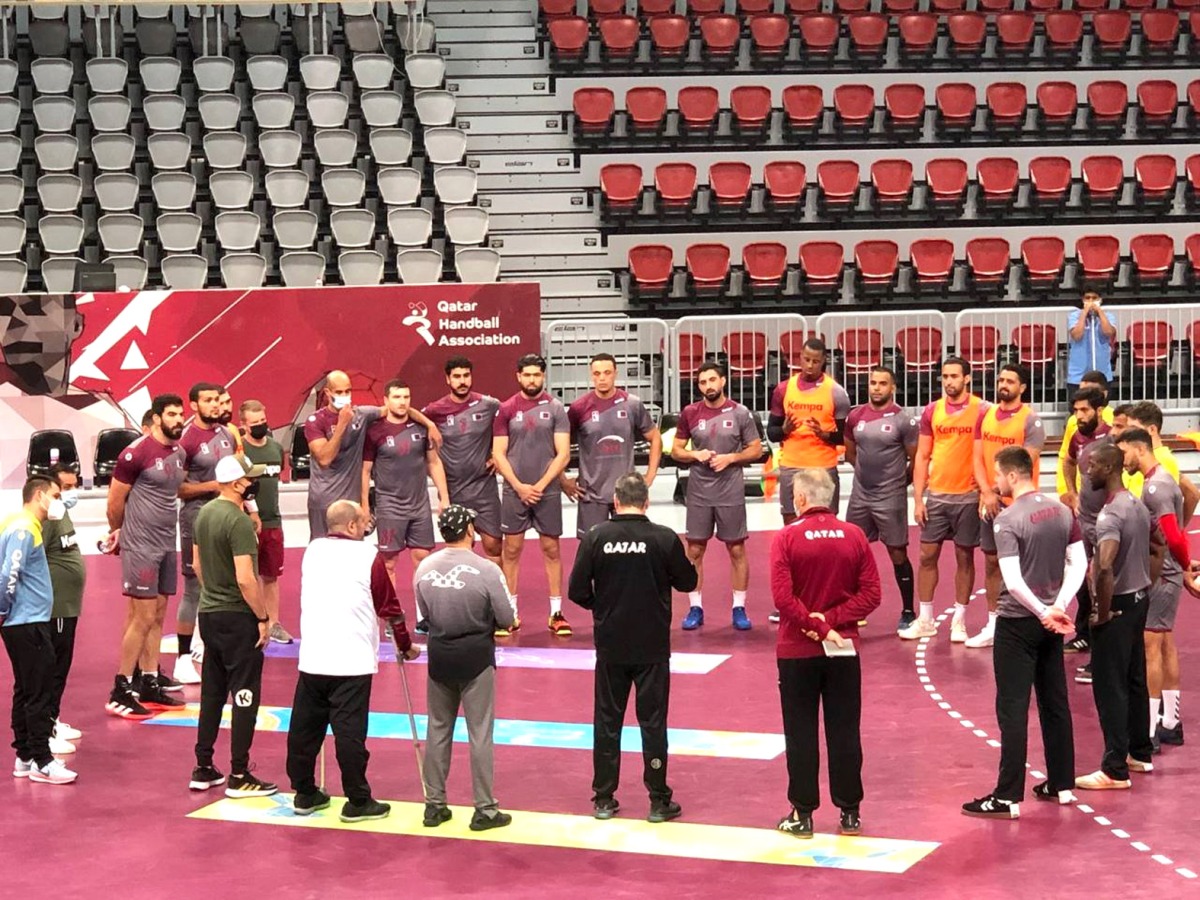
x,y
606,430
530,426
342,478
466,438
202,449
882,439
1091,500
728,429
1163,498
1037,529
397,454
1126,520
154,473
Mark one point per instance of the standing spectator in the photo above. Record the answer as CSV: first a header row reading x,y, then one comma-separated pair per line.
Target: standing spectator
x,y
262,449
26,599
823,581
463,598
67,577
1092,333
624,572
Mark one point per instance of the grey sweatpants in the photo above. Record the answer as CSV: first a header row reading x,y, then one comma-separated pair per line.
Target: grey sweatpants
x,y
478,700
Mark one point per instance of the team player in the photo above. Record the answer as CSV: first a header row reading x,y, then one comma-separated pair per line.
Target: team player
x,y
205,442
397,453
531,445
1092,379
141,515
465,419
881,443
724,439
1009,423
1148,415
606,422
951,511
261,449
807,421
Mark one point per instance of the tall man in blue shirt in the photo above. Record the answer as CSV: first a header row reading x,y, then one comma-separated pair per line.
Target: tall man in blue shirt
x,y
1092,333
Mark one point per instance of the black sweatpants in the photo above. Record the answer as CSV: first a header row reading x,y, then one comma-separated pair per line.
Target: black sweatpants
x,y
1082,626
806,685
32,657
1119,685
652,683
232,666
62,637
342,701
1027,657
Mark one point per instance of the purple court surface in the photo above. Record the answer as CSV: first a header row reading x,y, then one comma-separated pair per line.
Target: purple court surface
x,y
123,828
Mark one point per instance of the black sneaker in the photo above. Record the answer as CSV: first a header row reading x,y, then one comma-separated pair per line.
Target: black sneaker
x,y
906,618
1041,791
169,684
1155,743
606,808
205,777
422,626
435,815
1083,675
1078,645
482,821
664,811
992,807
797,825
152,696
850,823
307,804
123,703
247,785
364,812
1171,736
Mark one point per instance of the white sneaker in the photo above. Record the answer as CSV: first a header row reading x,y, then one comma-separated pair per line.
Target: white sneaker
x,y
984,639
921,628
185,671
59,747
958,632
22,767
54,772
65,732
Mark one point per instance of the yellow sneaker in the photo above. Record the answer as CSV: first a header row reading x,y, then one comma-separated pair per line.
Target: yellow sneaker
x,y
505,632
559,626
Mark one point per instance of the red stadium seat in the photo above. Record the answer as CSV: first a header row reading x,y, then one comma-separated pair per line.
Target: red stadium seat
x,y
1157,102
604,9
646,108
1098,255
1108,102
868,34
1103,180
995,6
651,267
845,7
745,353
594,109
652,9
877,263
821,264
1064,32
819,34
621,187
932,262
988,260
669,37
968,32
619,37
920,347
893,182
748,9
1037,345
918,34
1006,101
1149,344
720,36
1138,4
769,36
1112,28
956,105
700,8
801,7
861,350
791,345
899,7
1160,30
1155,175
998,178
946,7
1014,32
1090,5
556,9
854,106
568,39
765,263
1044,258
692,354
1193,93
708,265
675,186
803,106
838,183
904,106
751,106
1153,258
1191,247
1191,169
1050,180
699,106
947,183
1057,104
785,183
979,345
1043,5
730,184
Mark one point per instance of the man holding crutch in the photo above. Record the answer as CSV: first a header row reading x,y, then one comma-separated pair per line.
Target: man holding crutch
x,y
463,598
344,591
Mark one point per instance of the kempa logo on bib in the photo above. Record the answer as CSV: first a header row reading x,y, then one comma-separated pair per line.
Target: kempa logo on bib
x,y
450,579
244,697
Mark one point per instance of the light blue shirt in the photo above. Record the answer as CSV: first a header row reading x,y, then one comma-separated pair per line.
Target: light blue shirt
x,y
1092,351
26,594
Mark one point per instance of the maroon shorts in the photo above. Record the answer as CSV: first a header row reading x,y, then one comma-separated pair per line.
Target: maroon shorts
x,y
270,552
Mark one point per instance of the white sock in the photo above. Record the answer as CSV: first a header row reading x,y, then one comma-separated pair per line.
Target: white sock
x,y
513,599
926,611
1170,702
739,598
1155,709
992,617
960,613
555,605
694,599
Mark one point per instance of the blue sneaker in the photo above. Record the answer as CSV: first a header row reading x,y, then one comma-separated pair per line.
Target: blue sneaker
x,y
694,619
741,621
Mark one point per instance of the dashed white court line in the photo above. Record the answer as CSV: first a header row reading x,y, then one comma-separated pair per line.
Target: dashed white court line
x,y
926,682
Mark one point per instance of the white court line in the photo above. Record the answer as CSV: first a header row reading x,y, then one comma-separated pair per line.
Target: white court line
x,y
1159,858
1101,820
1186,873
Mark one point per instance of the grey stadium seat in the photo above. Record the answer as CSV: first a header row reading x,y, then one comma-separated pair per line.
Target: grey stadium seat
x,y
130,271
121,232
267,73
107,74
109,112
49,38
335,146
102,37
220,112
238,230
301,268
10,152
174,190
434,107
445,146
52,76
477,265
390,146
295,229
352,228
275,109
10,114
9,71
373,71
231,189
160,74
466,225
381,109
213,74
287,188
343,187
414,37
116,191
164,112
155,36
419,266
279,149
410,226
13,275
320,72
54,115
60,192
455,185
327,109
362,33
399,185
12,193
186,271
225,149
243,270
12,235
425,70
58,274
179,232
259,36
113,152
56,152
360,268
60,234
169,150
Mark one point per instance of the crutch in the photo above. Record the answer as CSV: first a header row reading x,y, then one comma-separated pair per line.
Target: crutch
x,y
412,722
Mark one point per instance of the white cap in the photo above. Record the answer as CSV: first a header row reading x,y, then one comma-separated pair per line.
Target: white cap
x,y
233,468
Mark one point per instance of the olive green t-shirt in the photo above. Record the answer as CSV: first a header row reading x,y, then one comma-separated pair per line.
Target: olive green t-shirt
x,y
66,567
222,532
270,455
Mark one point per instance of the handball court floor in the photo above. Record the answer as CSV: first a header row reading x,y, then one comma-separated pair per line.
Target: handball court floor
x,y
125,826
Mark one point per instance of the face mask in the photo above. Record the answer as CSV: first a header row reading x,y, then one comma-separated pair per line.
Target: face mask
x,y
258,432
56,510
341,401
70,498
251,491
